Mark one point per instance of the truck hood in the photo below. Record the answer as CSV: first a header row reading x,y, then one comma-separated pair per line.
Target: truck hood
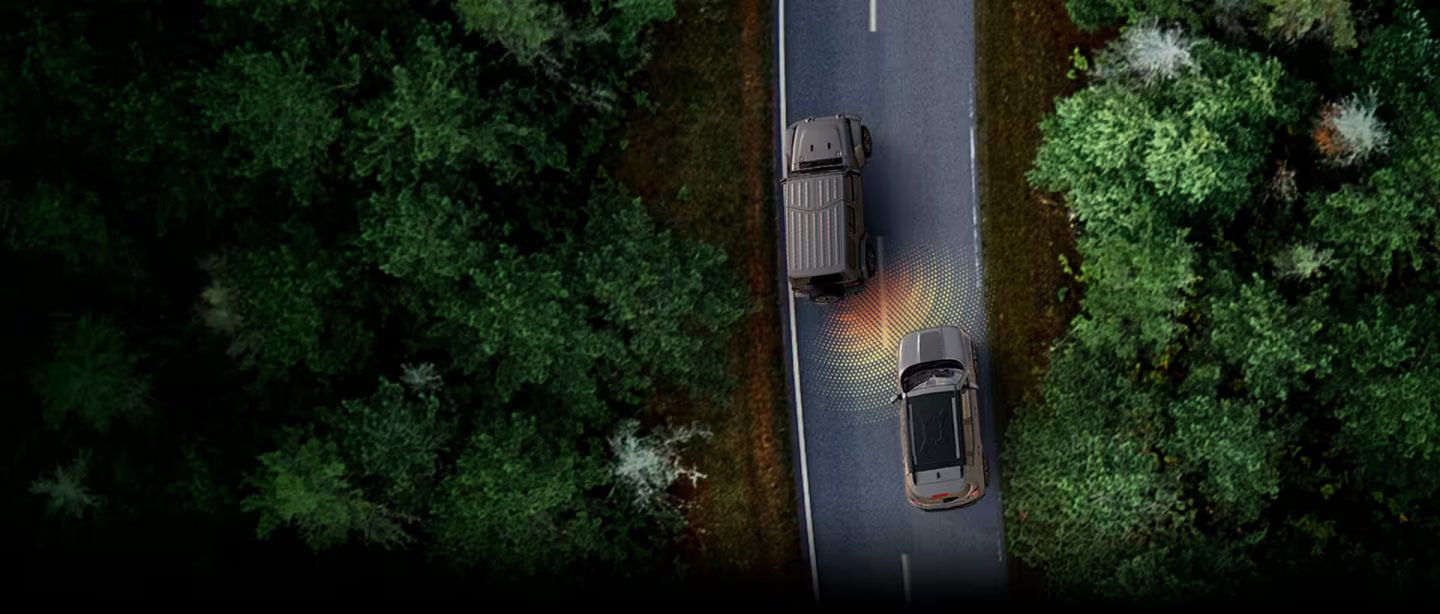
x,y
818,141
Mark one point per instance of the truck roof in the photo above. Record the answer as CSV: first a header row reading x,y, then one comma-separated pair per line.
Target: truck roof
x,y
815,223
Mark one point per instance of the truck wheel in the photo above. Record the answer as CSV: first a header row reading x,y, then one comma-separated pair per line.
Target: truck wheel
x,y
865,140
872,261
825,298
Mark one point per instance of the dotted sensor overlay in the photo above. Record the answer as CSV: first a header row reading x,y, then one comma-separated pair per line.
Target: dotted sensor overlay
x,y
852,370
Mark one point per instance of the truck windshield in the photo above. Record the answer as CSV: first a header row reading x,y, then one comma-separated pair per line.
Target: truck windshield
x,y
823,163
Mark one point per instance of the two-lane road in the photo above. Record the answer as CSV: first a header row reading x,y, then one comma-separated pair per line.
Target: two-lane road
x,y
908,67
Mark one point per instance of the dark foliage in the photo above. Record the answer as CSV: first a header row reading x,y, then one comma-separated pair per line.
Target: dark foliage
x,y
346,276
1247,403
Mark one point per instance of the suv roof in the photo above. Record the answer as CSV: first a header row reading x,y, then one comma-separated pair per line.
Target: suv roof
x,y
936,438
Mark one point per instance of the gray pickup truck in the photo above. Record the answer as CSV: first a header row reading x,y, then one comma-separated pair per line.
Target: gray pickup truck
x,y
827,249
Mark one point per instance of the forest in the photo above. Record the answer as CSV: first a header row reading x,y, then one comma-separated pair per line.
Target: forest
x,y
1247,404
308,293
311,297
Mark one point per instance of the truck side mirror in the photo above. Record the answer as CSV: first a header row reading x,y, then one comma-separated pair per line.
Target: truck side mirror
x,y
894,398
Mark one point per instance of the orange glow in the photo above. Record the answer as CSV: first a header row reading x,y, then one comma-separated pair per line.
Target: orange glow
x,y
918,288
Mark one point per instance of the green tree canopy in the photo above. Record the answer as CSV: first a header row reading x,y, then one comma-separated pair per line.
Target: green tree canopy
x,y
394,441
303,485
1387,406
513,488
290,203
1249,376
1181,152
93,375
284,305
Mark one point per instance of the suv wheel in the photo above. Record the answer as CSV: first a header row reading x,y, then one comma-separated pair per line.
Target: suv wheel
x,y
825,298
872,261
865,140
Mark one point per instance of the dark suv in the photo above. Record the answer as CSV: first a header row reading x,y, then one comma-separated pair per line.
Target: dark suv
x,y
939,419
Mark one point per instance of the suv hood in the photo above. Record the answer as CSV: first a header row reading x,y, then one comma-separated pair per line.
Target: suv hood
x,y
931,344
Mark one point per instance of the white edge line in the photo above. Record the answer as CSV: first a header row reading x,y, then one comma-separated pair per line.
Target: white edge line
x,y
974,189
783,125
872,15
905,571
804,466
795,343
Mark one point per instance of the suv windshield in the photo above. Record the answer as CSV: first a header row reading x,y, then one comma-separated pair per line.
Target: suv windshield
x,y
916,375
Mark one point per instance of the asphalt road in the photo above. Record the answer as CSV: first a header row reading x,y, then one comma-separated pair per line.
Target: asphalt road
x,y
909,71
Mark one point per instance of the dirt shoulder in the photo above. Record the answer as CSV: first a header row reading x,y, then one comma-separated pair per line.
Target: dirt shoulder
x,y
1023,54
702,163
